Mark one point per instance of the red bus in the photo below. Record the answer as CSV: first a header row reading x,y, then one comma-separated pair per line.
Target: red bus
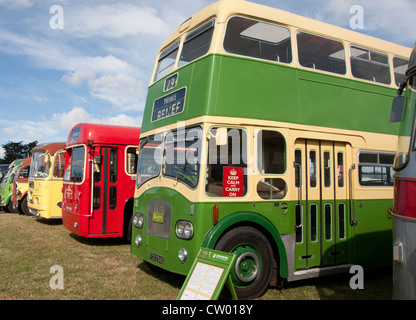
x,y
99,180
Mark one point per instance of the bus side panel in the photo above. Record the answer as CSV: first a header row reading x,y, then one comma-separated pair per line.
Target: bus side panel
x,y
372,240
242,98
56,199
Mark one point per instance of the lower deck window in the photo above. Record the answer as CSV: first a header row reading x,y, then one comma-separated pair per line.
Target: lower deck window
x,y
96,200
299,221
375,169
227,158
272,188
112,203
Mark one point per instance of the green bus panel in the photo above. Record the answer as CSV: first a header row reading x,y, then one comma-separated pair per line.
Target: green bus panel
x,y
367,244
230,86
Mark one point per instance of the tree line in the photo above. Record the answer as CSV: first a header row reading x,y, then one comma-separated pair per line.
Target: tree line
x,y
16,150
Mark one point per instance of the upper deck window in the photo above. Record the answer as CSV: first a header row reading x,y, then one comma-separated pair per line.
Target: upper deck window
x,y
166,61
321,53
400,66
182,151
258,40
197,43
370,65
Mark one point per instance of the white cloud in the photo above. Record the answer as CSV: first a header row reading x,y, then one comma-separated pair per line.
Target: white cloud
x,y
122,120
58,55
389,20
67,120
86,68
58,125
109,78
28,130
120,89
112,20
79,75
17,3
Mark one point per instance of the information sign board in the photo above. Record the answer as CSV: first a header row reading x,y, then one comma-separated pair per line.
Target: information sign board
x,y
207,276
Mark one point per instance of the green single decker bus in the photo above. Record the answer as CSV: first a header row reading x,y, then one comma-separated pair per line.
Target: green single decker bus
x,y
267,135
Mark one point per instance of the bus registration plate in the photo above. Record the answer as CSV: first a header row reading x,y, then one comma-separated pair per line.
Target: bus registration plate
x,y
156,258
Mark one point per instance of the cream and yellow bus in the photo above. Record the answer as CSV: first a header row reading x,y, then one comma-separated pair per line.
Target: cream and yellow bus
x,y
45,180
267,134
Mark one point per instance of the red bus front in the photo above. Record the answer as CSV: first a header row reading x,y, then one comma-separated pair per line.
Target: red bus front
x,y
99,180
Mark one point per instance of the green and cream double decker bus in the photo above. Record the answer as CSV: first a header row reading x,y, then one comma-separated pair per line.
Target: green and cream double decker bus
x,y
267,134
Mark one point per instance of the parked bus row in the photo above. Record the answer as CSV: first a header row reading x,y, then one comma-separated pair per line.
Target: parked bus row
x,y
87,181
264,134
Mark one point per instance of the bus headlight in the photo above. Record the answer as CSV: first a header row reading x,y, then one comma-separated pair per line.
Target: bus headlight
x,y
138,241
182,255
138,220
184,230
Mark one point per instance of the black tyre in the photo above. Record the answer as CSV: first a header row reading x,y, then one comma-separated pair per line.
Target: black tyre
x,y
254,263
25,208
10,208
129,231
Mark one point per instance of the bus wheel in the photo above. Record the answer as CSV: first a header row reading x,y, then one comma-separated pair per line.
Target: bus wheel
x,y
254,263
10,207
25,208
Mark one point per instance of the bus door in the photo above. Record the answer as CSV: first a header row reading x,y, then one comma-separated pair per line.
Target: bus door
x,y
104,201
320,221
58,168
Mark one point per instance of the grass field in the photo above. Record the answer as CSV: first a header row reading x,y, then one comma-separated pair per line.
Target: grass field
x,y
104,269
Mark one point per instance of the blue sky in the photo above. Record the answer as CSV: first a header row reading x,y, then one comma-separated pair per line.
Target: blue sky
x,y
96,66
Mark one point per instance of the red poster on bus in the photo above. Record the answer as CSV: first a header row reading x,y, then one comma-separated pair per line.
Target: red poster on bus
x,y
232,182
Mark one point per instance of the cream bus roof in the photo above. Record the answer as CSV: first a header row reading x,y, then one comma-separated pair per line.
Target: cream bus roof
x,y
223,9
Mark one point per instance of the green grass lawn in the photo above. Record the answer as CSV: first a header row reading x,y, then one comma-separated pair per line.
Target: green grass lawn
x,y
104,269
